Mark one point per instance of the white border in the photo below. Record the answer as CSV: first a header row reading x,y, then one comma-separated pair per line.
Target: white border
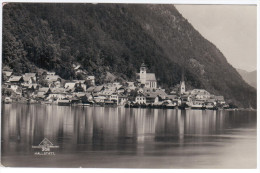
x,y
69,170
248,2
258,78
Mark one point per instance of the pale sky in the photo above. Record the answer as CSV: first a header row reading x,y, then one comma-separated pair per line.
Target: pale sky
x,y
232,28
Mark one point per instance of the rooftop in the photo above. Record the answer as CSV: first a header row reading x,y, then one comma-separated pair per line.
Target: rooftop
x,y
52,77
27,78
44,89
15,78
149,76
30,74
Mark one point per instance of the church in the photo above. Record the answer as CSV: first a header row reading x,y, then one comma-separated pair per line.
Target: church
x,y
148,80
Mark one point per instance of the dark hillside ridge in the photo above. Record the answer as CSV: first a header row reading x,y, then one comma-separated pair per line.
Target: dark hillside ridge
x,y
117,38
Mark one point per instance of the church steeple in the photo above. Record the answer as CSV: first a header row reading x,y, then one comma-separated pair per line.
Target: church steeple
x,y
182,84
143,69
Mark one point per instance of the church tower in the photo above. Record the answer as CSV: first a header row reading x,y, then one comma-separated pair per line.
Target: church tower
x,y
143,69
182,84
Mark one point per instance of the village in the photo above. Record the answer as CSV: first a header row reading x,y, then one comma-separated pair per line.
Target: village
x,y
29,88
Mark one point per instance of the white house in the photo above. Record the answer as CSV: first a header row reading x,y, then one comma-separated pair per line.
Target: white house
x,y
140,98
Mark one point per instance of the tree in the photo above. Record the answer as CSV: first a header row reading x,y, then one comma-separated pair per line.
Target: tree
x,y
43,82
79,76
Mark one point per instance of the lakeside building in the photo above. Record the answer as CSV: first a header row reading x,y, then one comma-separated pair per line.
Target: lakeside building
x,y
140,99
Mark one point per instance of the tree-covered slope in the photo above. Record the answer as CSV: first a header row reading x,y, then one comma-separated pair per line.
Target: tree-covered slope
x,y
117,38
249,77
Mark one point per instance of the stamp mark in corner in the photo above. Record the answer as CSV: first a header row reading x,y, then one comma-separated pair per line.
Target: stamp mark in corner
x,y
45,147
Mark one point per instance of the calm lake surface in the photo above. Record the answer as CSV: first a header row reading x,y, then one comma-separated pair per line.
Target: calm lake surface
x,y
101,137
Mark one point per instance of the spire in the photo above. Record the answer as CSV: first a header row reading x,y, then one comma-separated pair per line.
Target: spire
x,y
143,65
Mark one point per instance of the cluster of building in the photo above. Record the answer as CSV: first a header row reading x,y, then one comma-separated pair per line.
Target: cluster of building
x,y
144,91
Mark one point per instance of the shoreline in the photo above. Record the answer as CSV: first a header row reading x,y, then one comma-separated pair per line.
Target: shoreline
x,y
123,106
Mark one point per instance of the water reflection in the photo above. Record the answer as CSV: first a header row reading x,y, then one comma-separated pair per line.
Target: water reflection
x,y
123,132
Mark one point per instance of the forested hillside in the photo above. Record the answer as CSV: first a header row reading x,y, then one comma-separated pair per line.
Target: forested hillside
x,y
117,38
249,77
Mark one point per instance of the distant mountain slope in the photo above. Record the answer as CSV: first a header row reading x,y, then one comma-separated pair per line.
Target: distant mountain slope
x,y
117,38
249,77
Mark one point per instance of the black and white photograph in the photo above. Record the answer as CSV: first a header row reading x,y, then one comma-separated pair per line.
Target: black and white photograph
x,y
125,85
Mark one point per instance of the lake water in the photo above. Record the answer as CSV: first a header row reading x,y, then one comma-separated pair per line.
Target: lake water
x,y
102,137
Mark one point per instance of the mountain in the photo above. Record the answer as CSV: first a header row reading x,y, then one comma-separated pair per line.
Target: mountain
x,y
117,39
249,77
